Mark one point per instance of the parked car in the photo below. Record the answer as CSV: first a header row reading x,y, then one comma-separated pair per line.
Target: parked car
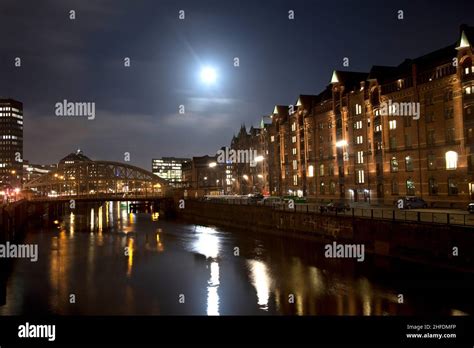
x,y
414,203
254,198
470,208
337,207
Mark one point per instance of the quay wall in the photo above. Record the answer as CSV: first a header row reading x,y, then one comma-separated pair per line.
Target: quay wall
x,y
442,245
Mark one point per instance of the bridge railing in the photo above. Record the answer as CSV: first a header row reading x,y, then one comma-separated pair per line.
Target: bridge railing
x,y
99,196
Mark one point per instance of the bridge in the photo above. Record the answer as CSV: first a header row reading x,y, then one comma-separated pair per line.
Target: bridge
x,y
96,181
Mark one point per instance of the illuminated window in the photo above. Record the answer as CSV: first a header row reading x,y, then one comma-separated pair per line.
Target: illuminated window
x,y
360,157
293,139
272,138
451,160
394,164
431,161
321,169
452,187
295,180
293,126
310,171
295,164
360,176
358,109
410,187
393,124
359,139
409,164
294,151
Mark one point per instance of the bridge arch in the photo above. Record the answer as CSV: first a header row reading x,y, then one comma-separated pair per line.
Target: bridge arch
x,y
89,178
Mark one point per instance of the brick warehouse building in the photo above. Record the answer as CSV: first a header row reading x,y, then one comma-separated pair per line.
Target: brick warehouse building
x,y
342,144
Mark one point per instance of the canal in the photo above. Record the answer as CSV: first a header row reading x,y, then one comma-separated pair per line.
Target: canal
x,y
108,261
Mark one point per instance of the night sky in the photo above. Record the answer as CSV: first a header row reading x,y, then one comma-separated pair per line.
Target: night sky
x,y
82,60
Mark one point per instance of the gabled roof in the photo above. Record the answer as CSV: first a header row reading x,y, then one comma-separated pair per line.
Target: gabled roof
x,y
350,79
466,37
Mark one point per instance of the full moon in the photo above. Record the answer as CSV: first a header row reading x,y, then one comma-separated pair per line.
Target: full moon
x,y
208,75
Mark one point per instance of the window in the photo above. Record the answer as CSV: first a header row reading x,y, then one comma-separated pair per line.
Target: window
x,y
272,138
295,164
310,171
331,169
295,180
431,161
451,160
359,139
409,164
448,95
429,98
360,176
368,123
321,169
408,142
360,157
410,187
430,137
432,187
448,112
394,165
332,187
294,151
392,124
358,125
430,117
378,128
450,136
321,188
393,142
407,121
293,139
469,89
358,109
452,187
293,126
394,186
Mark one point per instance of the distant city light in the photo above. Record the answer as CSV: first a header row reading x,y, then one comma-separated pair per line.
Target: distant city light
x,y
341,143
259,159
212,164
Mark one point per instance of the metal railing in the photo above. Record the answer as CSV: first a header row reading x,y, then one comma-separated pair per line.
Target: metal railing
x,y
420,216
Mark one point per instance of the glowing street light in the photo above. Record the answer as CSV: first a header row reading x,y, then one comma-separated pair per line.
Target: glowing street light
x,y
259,159
245,176
341,143
212,164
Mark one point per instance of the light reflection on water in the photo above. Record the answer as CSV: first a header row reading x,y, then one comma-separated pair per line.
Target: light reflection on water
x,y
118,262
